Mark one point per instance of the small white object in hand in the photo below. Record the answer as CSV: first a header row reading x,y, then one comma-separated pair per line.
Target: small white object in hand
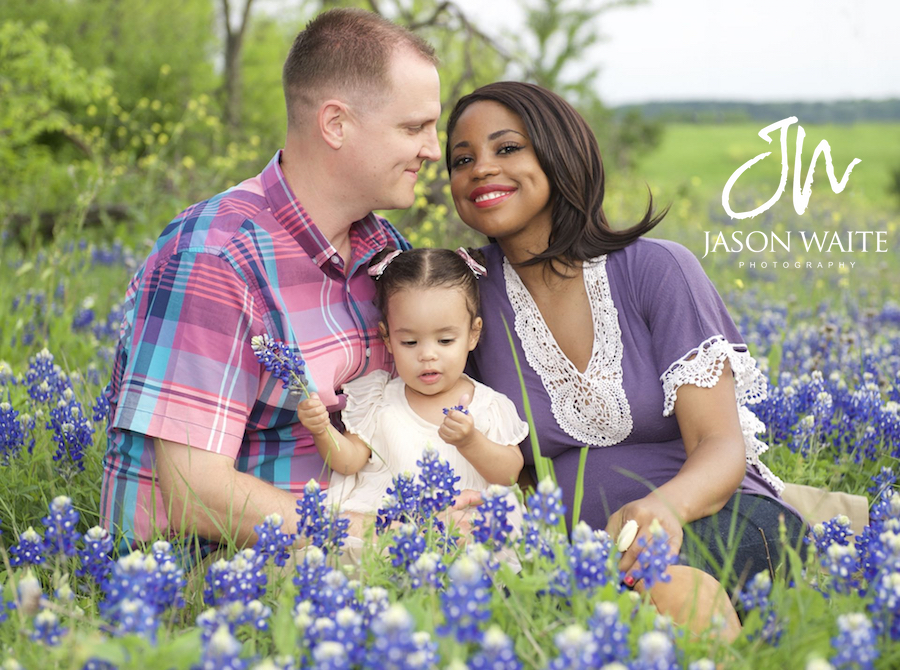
x,y
627,535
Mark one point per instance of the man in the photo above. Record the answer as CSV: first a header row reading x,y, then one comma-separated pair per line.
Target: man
x,y
201,438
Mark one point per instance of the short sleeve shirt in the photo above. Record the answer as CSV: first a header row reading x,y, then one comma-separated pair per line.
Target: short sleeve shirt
x,y
246,262
655,314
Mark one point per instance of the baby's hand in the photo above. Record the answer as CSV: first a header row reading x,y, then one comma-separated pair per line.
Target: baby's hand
x,y
313,415
458,427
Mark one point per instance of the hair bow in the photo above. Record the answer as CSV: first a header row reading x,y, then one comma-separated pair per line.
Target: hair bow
x,y
477,268
378,269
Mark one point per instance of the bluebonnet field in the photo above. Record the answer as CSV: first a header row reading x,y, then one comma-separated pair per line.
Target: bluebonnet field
x,y
420,599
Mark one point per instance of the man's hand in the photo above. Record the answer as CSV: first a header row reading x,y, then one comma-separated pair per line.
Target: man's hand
x,y
313,415
458,427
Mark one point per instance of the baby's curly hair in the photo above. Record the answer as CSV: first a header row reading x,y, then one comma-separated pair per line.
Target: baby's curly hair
x,y
427,268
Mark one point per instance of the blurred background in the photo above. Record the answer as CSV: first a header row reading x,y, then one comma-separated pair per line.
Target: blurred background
x,y
114,116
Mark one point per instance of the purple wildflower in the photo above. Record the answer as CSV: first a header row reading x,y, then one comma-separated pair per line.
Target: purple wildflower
x,y
655,558
496,652
47,628
491,525
464,603
95,560
396,646
279,359
60,535
438,483
856,644
610,633
29,550
271,542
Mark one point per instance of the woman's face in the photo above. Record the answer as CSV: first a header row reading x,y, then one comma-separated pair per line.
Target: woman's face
x,y
498,186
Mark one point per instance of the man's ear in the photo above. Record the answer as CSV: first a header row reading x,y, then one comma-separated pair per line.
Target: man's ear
x,y
383,331
332,119
475,332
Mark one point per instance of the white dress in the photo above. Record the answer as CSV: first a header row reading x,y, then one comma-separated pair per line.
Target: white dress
x,y
377,410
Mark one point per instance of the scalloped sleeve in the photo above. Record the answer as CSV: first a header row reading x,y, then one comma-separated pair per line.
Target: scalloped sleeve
x,y
365,400
692,335
498,419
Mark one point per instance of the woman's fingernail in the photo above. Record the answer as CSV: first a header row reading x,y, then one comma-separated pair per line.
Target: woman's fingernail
x,y
629,581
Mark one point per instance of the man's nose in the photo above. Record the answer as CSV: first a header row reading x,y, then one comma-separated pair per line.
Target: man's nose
x,y
431,149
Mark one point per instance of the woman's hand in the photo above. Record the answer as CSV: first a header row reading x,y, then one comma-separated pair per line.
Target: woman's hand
x,y
643,511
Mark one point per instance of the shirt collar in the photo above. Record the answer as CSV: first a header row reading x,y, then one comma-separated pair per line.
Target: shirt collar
x,y
367,236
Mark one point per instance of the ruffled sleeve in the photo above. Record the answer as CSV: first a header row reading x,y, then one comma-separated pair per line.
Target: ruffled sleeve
x,y
693,335
496,417
365,400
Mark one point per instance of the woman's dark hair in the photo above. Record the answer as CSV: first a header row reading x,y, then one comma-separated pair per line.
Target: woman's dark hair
x,y
427,268
568,154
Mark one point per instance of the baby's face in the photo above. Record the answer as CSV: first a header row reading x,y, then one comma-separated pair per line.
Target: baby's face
x,y
430,333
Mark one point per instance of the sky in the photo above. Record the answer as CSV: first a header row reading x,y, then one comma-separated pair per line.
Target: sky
x,y
757,50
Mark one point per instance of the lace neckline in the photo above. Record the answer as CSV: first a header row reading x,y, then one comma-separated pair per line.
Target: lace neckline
x,y
590,406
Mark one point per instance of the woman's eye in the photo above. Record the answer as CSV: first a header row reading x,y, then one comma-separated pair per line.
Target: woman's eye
x,y
462,160
508,148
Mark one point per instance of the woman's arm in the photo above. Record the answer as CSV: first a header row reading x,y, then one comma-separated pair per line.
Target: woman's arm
x,y
714,468
345,453
498,463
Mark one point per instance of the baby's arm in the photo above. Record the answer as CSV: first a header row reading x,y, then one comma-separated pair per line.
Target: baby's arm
x,y
498,463
345,453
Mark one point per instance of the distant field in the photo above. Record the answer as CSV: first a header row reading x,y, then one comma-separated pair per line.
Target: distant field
x,y
703,157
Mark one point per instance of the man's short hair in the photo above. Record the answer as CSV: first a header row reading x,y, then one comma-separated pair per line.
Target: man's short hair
x,y
347,51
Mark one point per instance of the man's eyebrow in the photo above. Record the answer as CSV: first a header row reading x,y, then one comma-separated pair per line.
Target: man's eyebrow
x,y
493,136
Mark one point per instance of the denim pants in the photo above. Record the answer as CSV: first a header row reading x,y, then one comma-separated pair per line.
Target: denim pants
x,y
741,540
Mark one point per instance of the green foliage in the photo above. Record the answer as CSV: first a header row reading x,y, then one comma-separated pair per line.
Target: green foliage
x,y
42,92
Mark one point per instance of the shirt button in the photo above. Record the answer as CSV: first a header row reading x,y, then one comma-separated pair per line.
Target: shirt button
x,y
335,259
368,351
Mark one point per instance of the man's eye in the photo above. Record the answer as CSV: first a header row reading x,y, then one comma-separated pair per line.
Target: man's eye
x,y
416,129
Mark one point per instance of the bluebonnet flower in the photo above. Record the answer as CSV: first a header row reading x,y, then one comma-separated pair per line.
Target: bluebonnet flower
x,y
136,616
83,318
483,557
311,573
345,631
12,433
222,652
464,603
233,615
335,593
755,596
29,550
396,646
407,546
885,605
577,650
588,556
856,644
242,579
169,576
101,408
45,380
438,483
545,505
60,535
29,594
655,557
458,408
329,655
401,502
707,664
656,651
271,542
141,577
374,603
73,432
427,570
833,531
491,526
842,564
47,628
610,633
321,524
496,653
279,359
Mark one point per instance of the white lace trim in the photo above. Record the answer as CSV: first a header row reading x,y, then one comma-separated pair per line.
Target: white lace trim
x,y
703,367
591,407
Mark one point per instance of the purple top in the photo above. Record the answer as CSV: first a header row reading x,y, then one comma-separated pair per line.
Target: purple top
x,y
666,311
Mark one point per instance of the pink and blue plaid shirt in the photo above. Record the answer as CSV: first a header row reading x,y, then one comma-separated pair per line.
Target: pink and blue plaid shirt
x,y
247,262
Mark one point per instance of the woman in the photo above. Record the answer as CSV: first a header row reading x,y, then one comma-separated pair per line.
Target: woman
x,y
624,346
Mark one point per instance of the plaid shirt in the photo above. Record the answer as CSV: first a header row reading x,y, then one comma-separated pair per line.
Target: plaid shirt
x,y
247,262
